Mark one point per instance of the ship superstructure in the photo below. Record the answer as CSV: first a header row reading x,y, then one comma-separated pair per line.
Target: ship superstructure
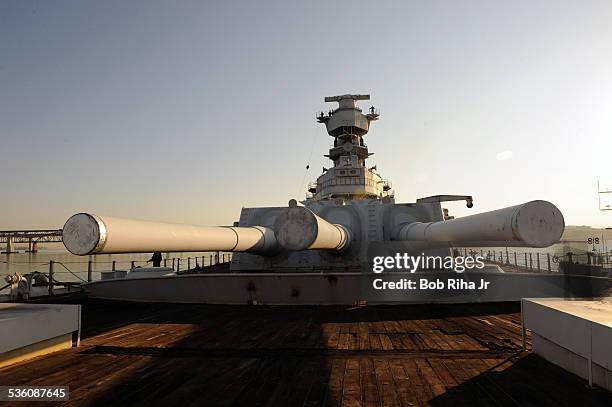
x,y
349,177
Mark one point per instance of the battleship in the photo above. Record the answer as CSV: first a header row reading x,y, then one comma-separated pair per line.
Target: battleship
x,y
321,250
295,319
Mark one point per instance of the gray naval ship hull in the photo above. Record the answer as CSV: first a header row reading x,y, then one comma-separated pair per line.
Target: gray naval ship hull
x,y
348,288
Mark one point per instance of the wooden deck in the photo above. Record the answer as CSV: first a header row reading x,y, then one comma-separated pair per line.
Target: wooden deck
x,y
444,355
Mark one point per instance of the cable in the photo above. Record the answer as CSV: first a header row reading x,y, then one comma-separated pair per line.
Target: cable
x,y
70,271
312,145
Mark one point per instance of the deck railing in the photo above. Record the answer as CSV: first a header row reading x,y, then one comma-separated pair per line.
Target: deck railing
x,y
537,261
83,271
56,272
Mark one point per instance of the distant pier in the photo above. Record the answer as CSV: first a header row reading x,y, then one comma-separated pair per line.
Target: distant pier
x,y
31,237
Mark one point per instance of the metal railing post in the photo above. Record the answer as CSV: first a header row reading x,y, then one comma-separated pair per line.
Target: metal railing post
x,y
188,263
133,264
89,270
530,262
548,260
178,264
114,265
525,260
538,260
515,261
51,262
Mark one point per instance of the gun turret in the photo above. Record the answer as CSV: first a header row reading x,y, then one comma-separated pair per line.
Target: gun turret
x,y
85,234
350,214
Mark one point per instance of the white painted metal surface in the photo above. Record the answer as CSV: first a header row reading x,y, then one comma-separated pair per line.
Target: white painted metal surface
x,y
144,272
24,325
574,334
91,234
532,224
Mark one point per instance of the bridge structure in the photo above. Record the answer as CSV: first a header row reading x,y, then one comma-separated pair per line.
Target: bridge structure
x,y
31,237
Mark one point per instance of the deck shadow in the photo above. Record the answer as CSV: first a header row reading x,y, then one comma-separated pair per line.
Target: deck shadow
x,y
526,381
173,354
99,316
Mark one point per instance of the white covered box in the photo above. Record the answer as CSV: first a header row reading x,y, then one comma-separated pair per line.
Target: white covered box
x,y
573,334
29,330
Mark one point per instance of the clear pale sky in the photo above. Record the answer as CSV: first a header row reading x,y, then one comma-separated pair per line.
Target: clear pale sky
x,y
187,111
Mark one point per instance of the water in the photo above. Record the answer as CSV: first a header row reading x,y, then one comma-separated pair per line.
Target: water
x,y
71,268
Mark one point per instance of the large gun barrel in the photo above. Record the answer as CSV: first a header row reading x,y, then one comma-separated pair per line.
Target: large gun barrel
x,y
85,234
532,224
298,228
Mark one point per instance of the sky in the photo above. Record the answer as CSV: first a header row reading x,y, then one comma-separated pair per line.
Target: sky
x,y
188,111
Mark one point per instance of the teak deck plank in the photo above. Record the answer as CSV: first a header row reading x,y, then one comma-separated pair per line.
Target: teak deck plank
x,y
404,355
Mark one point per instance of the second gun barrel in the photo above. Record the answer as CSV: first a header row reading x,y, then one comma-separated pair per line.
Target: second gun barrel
x,y
532,224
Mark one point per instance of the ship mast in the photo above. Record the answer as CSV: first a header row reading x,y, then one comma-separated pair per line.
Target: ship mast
x,y
349,177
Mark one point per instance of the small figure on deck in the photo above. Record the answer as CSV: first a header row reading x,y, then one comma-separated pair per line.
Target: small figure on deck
x,y
156,259
372,110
